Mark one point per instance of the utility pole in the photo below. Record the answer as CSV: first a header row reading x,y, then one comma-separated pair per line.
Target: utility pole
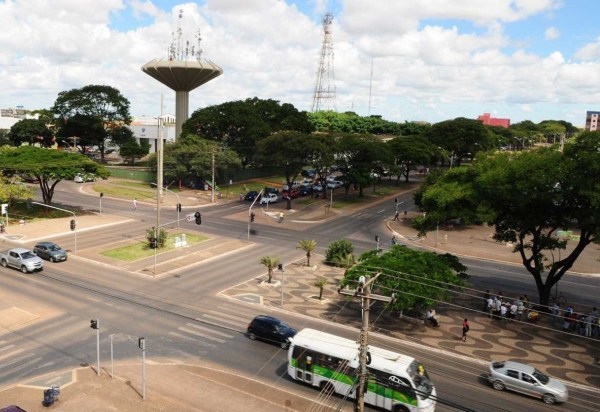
x,y
212,195
363,292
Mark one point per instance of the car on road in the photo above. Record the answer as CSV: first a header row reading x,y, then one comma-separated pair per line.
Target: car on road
x,y
251,195
270,329
527,380
50,251
22,259
269,198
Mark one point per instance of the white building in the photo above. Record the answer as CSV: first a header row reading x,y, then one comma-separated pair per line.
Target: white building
x,y
146,127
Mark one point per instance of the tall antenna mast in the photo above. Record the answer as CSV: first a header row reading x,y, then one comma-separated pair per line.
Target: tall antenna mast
x,y
324,95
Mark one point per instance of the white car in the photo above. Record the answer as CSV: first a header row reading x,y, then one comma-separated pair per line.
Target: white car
x,y
269,198
334,184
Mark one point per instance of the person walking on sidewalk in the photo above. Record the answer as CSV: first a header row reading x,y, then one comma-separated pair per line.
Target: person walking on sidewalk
x,y
555,312
134,203
486,296
465,329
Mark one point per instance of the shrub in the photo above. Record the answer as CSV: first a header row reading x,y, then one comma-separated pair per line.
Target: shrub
x,y
338,248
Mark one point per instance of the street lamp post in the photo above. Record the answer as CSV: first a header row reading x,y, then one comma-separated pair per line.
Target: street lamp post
x,y
178,202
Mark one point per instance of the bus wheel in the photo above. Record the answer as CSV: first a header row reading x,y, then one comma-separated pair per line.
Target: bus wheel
x,y
327,388
400,408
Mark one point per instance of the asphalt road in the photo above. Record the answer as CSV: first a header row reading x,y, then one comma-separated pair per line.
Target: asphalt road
x,y
184,321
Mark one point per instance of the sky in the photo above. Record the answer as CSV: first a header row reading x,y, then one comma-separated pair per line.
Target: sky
x,y
405,60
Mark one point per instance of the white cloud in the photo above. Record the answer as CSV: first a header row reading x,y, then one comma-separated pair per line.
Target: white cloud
x,y
270,49
551,33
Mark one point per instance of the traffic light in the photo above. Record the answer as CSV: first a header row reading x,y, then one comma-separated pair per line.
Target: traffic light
x,y
152,243
280,267
4,206
73,224
95,324
252,216
198,217
179,207
142,343
377,238
101,194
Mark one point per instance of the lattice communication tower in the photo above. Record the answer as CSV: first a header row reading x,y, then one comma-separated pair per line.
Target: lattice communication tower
x,y
324,95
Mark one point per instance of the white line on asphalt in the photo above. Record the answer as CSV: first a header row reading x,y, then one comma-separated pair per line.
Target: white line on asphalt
x,y
6,355
22,366
198,342
6,347
237,322
233,317
225,335
193,332
381,211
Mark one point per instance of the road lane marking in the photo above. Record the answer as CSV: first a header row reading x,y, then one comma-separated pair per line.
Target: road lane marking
x,y
193,332
214,332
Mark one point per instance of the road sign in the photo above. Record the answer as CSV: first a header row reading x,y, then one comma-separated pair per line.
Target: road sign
x,y
190,217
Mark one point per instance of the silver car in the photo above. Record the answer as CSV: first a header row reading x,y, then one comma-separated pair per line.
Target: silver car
x,y
527,380
50,251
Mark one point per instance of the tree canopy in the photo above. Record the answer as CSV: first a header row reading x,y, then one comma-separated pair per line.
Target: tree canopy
x,y
93,113
240,125
49,166
418,279
409,152
31,131
528,197
189,159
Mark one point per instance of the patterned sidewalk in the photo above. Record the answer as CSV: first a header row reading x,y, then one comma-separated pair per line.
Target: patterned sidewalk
x,y
566,356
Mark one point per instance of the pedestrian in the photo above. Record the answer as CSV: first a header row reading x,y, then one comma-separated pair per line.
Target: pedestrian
x,y
500,296
497,307
394,241
490,306
555,312
520,309
241,197
503,312
513,310
134,203
588,325
595,321
280,217
431,318
486,296
397,216
526,302
465,329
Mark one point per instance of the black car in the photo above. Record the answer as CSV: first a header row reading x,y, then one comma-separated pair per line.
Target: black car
x,y
50,251
306,190
270,329
251,195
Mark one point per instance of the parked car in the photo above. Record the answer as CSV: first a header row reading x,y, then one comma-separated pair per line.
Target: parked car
x,y
271,190
334,184
269,198
318,188
270,329
305,190
84,177
309,173
251,195
294,193
528,380
294,186
50,251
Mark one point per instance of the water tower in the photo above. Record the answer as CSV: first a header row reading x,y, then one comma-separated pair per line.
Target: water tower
x,y
183,71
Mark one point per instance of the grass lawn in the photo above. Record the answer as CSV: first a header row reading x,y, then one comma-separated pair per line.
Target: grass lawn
x,y
141,250
126,192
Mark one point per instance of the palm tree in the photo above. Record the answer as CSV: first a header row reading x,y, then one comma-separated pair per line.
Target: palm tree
x,y
308,246
271,263
320,283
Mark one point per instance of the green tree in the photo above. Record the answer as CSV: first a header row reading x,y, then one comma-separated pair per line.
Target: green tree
x,y
418,279
189,159
409,152
270,263
338,251
48,165
129,148
98,105
308,245
528,197
320,283
287,152
350,122
31,131
459,137
240,125
13,190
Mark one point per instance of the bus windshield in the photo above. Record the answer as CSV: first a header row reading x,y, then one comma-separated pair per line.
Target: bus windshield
x,y
418,374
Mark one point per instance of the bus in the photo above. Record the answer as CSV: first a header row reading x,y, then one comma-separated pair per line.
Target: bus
x,y
395,382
